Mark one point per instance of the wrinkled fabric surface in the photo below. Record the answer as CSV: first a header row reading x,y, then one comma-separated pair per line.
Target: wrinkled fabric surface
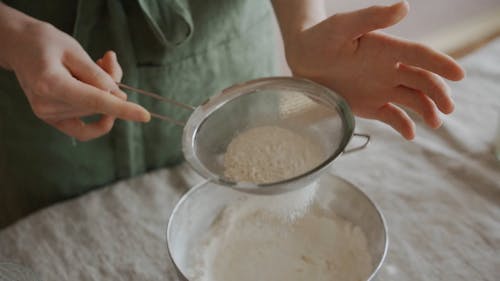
x,y
440,195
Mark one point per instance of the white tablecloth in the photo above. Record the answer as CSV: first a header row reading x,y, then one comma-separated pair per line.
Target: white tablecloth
x,y
440,195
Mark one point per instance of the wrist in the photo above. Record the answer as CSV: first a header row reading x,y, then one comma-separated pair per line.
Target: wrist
x,y
13,26
295,16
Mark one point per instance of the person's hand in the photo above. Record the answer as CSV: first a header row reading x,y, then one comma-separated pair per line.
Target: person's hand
x,y
376,73
62,83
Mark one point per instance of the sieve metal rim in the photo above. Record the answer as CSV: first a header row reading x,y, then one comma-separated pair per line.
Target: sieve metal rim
x,y
211,105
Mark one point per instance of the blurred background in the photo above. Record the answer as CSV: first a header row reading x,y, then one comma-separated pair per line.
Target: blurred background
x,y
448,25
456,27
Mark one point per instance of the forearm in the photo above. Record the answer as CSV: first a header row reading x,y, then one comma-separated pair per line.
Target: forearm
x,y
296,15
12,23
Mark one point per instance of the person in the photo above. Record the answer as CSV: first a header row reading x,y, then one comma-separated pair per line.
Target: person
x,y
65,126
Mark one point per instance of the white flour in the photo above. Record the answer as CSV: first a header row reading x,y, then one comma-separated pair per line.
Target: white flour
x,y
249,244
287,206
269,154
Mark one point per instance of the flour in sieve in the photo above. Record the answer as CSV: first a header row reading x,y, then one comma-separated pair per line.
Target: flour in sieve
x,y
269,154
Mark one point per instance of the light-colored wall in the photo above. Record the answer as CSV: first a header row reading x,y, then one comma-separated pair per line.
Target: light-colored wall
x,y
434,20
426,16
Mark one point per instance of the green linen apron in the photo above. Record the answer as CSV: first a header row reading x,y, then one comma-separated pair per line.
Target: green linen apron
x,y
183,49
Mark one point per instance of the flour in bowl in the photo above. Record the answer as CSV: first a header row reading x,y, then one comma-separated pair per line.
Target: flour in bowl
x,y
252,244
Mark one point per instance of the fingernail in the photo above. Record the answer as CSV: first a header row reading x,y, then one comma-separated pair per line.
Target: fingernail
x,y
452,108
401,2
147,117
410,133
410,136
404,2
143,115
438,123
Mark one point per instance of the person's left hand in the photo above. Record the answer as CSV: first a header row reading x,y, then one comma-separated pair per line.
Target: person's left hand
x,y
376,73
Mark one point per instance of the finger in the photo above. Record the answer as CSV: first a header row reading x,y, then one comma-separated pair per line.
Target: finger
x,y
427,82
89,98
68,114
419,103
110,65
424,57
50,109
355,24
397,119
84,69
43,107
83,132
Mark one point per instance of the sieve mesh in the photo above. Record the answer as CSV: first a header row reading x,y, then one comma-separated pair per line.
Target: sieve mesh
x,y
294,104
301,106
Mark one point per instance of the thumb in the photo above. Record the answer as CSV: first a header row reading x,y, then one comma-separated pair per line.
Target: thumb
x,y
355,24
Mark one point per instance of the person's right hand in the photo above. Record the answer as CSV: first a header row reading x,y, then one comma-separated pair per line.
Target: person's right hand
x,y
63,84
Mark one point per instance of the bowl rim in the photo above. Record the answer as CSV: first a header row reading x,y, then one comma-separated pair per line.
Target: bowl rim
x,y
200,185
215,102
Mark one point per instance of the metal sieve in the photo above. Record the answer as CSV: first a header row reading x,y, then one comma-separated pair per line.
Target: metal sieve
x,y
299,105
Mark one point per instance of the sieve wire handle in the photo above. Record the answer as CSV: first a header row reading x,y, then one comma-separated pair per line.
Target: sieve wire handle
x,y
162,99
365,143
